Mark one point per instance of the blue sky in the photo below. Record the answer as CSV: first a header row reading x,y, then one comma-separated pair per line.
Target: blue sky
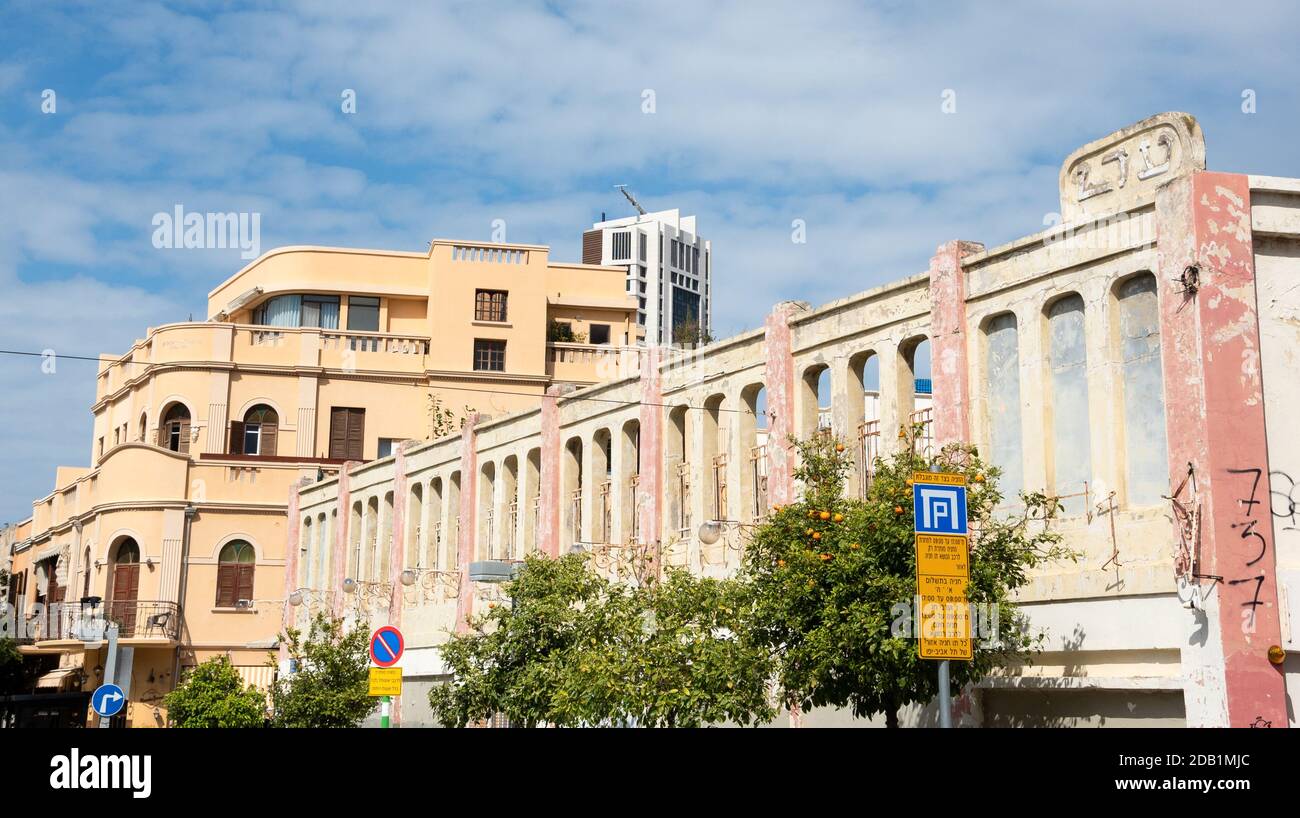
x,y
530,112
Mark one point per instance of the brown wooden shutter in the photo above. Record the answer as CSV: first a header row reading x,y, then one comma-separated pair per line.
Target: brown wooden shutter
x,y
591,247
236,437
338,433
227,585
162,435
268,439
244,584
185,437
356,433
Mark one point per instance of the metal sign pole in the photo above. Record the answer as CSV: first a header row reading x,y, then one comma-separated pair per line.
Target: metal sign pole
x,y
945,697
384,708
110,667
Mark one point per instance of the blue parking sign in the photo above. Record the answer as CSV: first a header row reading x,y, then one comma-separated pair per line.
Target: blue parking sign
x,y
939,508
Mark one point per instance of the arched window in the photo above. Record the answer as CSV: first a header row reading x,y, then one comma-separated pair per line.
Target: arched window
x,y
174,432
235,573
144,423
85,568
256,433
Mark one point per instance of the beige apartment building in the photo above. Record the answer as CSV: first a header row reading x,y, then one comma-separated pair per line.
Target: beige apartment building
x,y
311,357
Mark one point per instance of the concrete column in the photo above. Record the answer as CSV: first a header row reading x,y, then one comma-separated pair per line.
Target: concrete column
x,y
293,549
651,486
780,403
550,503
1214,404
397,553
397,542
893,413
340,555
467,530
1029,334
948,342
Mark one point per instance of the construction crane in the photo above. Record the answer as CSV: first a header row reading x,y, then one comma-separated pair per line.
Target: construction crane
x,y
623,189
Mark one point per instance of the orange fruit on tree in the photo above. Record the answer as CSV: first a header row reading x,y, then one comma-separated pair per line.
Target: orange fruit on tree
x,y
898,509
839,447
839,518
979,478
817,535
825,515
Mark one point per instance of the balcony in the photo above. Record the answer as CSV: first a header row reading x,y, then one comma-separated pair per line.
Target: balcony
x,y
590,363
269,346
70,624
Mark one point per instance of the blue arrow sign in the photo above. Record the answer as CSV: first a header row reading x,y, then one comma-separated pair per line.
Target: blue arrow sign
x,y
108,700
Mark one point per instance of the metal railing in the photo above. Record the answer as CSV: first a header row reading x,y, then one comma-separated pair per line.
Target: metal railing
x,y
88,621
924,442
868,451
720,487
606,518
684,498
758,468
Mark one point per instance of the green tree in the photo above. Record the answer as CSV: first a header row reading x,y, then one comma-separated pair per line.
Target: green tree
x,y
830,579
14,676
577,649
214,695
691,334
331,685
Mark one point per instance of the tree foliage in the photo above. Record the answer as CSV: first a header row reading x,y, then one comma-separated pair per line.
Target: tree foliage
x,y
14,676
827,577
330,687
214,695
576,649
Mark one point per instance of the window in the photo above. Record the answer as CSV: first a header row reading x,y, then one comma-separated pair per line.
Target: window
x,y
1003,364
256,433
363,313
235,573
489,305
299,311
1071,442
347,433
641,236
1146,456
386,446
622,246
674,252
489,356
174,433
320,311
600,333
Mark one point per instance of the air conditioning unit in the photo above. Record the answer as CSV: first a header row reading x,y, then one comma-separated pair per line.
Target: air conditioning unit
x,y
244,604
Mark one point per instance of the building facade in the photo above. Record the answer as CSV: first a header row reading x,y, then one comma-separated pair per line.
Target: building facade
x,y
311,358
669,271
1135,361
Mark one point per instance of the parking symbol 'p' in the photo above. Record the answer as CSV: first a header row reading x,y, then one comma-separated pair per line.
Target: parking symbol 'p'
x,y
939,509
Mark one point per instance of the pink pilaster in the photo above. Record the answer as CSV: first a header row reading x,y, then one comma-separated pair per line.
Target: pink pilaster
x,y
397,556
651,483
948,346
292,545
339,558
548,512
780,404
1209,329
467,527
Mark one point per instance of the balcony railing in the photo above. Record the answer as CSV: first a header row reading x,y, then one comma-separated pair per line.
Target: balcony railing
x,y
88,621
